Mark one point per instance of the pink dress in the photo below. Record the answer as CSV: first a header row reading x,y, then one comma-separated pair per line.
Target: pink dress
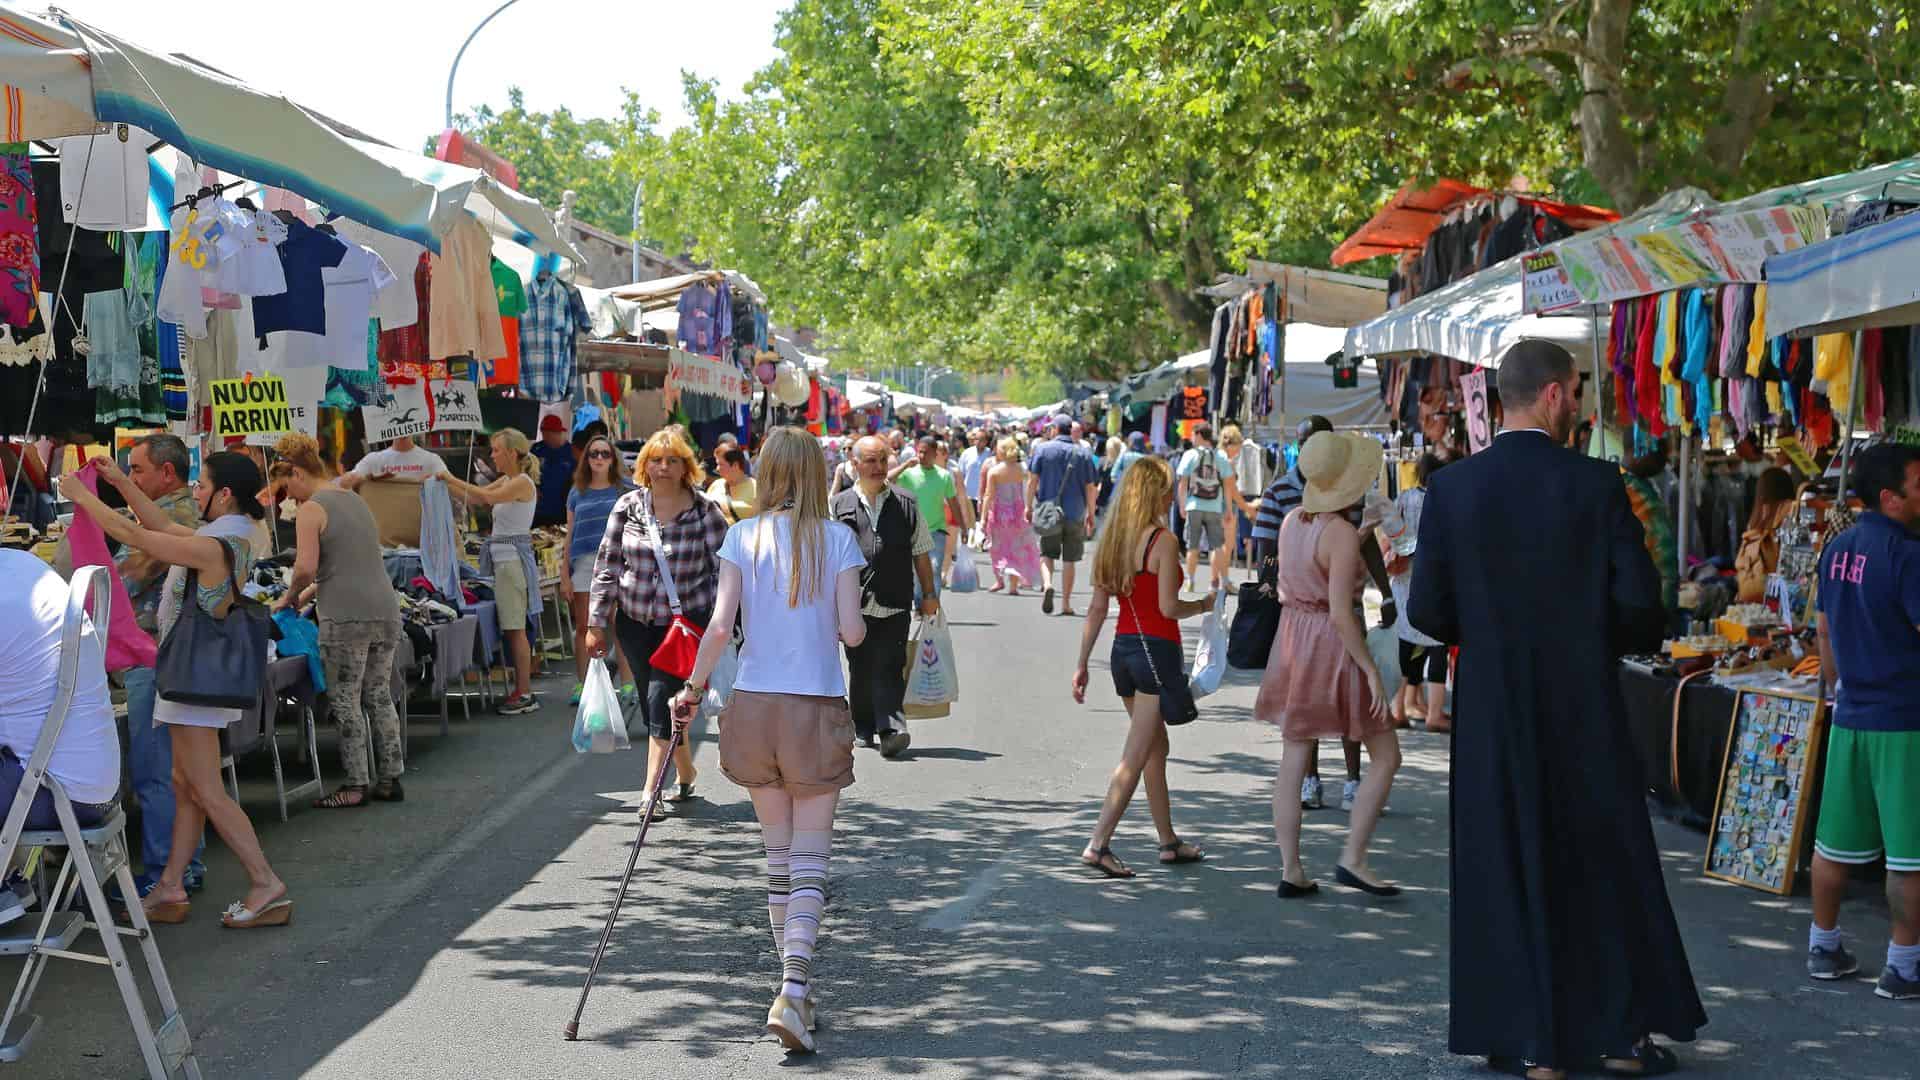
x,y
1312,689
1015,548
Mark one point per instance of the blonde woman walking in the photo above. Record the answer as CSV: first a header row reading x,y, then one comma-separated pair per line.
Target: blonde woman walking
x,y
1003,498
793,574
1138,564
508,555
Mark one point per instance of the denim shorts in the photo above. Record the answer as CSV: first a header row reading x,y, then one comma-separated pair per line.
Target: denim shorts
x,y
1136,658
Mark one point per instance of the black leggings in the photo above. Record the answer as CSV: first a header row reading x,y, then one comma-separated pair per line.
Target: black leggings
x,y
637,642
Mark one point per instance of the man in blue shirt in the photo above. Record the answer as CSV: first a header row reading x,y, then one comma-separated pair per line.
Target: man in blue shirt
x,y
1869,599
1062,472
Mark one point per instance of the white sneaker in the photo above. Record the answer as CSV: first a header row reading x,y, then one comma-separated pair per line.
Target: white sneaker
x,y
1347,791
786,1021
1310,797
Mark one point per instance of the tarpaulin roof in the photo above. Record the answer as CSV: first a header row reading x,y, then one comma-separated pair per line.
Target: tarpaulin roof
x,y
665,292
1309,380
64,76
1475,320
1853,282
1322,297
1416,210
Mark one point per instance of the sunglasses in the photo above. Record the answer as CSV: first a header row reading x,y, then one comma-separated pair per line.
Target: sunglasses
x,y
600,455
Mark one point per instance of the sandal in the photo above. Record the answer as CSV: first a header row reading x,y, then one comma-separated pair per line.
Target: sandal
x,y
239,917
1645,1059
685,793
388,791
1180,856
1100,860
1521,1067
169,912
338,800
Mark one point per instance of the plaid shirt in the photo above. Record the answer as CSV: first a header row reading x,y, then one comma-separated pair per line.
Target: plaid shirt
x,y
555,318
626,576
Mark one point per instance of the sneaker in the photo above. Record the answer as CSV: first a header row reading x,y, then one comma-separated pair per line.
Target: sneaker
x,y
786,1021
629,694
1834,963
1310,797
574,698
517,705
1896,987
894,741
1347,791
16,895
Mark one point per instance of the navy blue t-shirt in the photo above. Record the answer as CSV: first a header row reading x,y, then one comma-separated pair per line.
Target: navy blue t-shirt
x,y
1870,596
1064,469
303,254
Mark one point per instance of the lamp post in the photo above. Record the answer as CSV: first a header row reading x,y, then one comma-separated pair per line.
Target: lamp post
x,y
639,187
463,51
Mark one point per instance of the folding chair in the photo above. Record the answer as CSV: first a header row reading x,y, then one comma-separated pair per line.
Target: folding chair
x,y
93,854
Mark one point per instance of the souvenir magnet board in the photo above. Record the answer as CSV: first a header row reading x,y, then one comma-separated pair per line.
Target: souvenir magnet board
x,y
1760,813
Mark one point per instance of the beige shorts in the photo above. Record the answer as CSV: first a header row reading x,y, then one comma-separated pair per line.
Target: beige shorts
x,y
801,743
510,590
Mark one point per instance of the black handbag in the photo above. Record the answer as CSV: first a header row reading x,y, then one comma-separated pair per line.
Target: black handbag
x,y
1176,701
1256,619
218,663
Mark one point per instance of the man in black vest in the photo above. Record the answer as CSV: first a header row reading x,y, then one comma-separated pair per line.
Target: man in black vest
x,y
894,538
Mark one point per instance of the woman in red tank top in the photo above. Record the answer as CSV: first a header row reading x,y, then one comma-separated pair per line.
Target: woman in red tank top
x,y
1138,564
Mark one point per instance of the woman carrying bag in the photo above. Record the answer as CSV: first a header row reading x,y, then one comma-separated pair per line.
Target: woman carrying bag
x,y
653,583
1138,563
206,661
793,575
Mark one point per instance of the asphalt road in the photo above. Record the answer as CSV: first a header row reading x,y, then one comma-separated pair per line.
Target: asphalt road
x,y
447,936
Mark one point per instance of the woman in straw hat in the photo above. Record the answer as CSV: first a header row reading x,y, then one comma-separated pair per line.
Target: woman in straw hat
x,y
1321,682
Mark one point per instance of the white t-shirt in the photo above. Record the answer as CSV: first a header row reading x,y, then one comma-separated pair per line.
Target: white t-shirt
x,y
33,610
351,289
104,182
397,305
788,650
416,464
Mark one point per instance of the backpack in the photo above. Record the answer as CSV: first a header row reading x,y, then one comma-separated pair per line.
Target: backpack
x,y
1204,484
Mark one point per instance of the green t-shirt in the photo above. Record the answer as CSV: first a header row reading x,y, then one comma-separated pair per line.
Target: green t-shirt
x,y
931,488
508,289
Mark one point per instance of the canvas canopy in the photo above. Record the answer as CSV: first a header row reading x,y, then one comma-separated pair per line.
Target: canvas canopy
x,y
665,292
1418,208
1322,297
1475,320
1857,281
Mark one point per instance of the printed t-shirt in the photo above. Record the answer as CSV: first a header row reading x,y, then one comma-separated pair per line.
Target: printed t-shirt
x,y
416,464
931,487
789,650
1869,594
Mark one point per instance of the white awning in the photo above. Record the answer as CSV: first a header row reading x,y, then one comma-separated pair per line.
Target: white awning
x,y
1853,282
1476,321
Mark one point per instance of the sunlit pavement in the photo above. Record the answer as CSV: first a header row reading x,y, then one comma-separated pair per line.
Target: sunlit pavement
x,y
447,936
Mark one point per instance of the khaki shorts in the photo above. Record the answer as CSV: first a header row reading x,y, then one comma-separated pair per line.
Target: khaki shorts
x,y
801,743
1069,544
510,590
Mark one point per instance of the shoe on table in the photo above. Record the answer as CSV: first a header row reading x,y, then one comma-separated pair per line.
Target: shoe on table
x,y
1834,963
1310,796
517,705
1896,987
1348,790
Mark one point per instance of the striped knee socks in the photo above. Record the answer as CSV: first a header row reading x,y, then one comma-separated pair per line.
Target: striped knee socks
x,y
807,898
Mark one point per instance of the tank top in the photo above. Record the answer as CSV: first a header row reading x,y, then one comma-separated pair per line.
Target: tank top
x,y
352,576
1140,613
513,519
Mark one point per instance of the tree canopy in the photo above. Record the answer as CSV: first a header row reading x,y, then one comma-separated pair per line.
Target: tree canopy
x,y
1043,184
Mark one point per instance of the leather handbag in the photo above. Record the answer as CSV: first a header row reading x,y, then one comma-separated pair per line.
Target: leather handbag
x,y
1176,699
1256,620
680,645
213,662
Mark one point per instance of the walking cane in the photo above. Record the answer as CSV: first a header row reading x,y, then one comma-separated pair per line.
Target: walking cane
x,y
572,1031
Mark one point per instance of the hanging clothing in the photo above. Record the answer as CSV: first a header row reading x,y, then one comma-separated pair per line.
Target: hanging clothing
x,y
304,257
556,316
402,350
465,319
104,181
398,305
19,237
440,541
706,317
1833,370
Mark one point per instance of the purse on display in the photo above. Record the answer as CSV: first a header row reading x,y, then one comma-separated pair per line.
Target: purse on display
x,y
680,646
219,663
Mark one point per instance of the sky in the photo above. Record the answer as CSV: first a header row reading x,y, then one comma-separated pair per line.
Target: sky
x,y
381,65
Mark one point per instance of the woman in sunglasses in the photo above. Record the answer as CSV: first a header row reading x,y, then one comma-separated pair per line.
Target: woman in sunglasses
x,y
598,483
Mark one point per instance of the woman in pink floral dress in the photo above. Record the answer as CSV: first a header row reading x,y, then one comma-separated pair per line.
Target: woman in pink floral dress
x,y
1016,550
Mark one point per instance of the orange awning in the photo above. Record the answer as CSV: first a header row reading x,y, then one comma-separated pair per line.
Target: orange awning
x,y
1415,211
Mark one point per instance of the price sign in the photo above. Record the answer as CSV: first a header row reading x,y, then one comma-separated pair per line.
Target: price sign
x,y
1479,422
1799,456
1546,286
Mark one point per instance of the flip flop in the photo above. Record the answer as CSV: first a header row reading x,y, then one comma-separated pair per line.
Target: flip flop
x,y
239,917
1179,857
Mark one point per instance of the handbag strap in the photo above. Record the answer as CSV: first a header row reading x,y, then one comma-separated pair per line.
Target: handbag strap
x,y
1145,646
233,579
652,525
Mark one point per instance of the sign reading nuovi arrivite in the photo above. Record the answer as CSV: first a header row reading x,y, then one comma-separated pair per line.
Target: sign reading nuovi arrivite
x,y
256,405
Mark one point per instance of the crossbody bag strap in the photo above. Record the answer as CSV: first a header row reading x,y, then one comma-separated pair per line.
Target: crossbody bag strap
x,y
1145,646
652,525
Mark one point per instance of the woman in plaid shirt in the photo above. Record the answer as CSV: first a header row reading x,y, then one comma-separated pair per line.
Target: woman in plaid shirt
x,y
629,596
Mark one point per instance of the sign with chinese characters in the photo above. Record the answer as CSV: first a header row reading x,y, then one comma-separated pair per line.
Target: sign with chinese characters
x,y
1760,813
1479,420
404,418
690,374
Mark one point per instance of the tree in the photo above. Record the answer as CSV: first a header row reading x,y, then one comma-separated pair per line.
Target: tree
x,y
597,158
1030,389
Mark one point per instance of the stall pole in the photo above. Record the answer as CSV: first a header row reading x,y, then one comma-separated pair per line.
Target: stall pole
x,y
639,188
1599,398
1853,410
1685,515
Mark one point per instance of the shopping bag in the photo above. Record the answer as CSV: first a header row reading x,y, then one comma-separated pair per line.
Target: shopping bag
x,y
720,681
965,575
1384,646
933,682
1210,659
1256,619
598,725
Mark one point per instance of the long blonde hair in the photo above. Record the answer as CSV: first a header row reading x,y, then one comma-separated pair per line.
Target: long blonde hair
x,y
792,474
1138,507
522,450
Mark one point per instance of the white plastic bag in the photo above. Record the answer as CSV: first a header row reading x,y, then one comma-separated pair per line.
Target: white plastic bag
x,y
720,681
965,574
933,682
599,727
1210,659
1384,646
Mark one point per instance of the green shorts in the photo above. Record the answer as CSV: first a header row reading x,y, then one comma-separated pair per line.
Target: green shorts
x,y
1870,805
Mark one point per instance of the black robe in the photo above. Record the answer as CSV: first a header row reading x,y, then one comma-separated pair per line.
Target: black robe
x,y
1564,945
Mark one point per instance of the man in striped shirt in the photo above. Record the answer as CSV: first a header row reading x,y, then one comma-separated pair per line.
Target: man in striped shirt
x,y
1282,496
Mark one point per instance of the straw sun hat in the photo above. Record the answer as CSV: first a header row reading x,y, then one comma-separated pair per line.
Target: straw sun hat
x,y
1338,468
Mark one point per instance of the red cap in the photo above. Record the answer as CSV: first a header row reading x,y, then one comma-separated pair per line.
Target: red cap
x,y
552,422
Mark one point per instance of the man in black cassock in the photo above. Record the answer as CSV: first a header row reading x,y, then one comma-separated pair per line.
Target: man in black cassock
x,y
1565,953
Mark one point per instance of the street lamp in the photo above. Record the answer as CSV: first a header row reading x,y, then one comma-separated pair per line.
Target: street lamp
x,y
463,52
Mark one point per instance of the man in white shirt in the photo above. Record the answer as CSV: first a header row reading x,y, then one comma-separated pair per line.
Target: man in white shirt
x,y
973,462
86,759
402,460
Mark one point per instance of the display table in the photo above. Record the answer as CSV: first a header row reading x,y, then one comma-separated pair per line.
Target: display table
x,y
455,652
288,682
1706,715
